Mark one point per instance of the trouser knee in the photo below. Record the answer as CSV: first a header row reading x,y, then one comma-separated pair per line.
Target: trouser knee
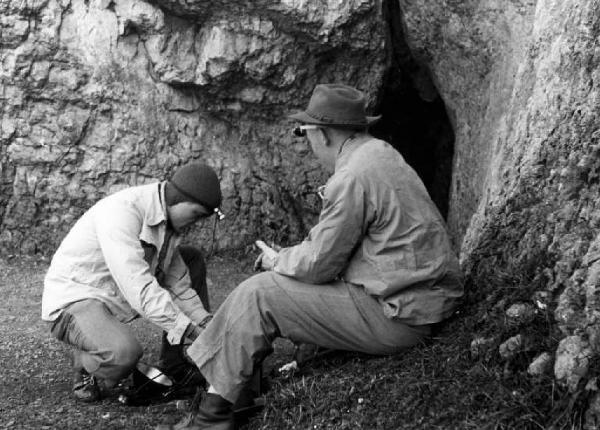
x,y
252,290
125,357
255,297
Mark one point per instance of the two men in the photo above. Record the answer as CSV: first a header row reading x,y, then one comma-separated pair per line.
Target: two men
x,y
373,274
123,259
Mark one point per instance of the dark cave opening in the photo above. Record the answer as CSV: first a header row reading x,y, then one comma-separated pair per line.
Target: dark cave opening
x,y
421,132
414,118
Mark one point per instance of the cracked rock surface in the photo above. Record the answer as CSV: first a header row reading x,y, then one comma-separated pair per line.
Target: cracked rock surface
x,y
521,82
98,95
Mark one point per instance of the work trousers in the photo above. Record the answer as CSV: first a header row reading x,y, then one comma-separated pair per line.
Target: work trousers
x,y
108,348
266,306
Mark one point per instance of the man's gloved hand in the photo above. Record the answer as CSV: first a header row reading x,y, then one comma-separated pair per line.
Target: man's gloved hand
x,y
193,330
268,256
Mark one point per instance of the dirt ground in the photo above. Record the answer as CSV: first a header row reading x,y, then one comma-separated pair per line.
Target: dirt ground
x,y
35,377
437,385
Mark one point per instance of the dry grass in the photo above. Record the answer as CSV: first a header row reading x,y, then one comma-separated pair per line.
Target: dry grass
x,y
433,386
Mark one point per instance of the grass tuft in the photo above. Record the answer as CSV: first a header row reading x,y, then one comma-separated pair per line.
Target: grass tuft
x,y
437,385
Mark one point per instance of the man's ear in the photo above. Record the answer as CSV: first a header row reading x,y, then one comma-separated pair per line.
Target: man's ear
x,y
324,137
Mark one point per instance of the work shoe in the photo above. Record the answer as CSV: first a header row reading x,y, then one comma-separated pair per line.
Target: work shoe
x,y
85,387
186,377
214,413
174,363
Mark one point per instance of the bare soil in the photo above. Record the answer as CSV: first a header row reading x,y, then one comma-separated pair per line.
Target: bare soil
x,y
35,373
437,385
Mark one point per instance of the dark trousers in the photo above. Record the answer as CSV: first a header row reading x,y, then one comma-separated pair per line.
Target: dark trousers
x,y
171,358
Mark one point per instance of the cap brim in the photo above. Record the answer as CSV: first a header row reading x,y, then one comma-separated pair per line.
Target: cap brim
x,y
307,119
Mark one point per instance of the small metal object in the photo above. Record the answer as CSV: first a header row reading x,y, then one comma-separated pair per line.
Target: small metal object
x,y
154,375
321,192
300,131
220,214
147,379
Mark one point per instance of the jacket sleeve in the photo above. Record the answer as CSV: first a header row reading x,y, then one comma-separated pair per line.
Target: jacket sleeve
x,y
117,230
325,252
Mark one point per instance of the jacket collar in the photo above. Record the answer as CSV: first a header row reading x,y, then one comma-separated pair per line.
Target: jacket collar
x,y
348,148
157,208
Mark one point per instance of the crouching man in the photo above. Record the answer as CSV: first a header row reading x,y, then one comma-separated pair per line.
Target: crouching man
x,y
373,275
122,260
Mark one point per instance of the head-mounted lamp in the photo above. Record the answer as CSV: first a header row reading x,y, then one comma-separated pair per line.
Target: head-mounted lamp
x,y
220,215
300,131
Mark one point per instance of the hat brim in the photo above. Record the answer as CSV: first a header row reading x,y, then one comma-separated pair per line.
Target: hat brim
x,y
307,119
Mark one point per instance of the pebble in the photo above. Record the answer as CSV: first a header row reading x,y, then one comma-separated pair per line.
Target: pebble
x,y
511,347
520,313
540,365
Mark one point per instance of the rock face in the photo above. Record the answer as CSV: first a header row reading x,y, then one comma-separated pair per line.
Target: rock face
x,y
521,84
98,95
102,94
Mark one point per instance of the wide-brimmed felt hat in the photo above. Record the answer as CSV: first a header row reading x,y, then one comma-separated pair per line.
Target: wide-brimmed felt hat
x,y
336,105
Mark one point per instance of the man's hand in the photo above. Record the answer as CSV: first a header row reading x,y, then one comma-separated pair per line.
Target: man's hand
x,y
193,330
267,258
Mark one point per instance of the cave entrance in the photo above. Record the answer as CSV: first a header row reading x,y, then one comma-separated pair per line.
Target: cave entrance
x,y
414,119
422,133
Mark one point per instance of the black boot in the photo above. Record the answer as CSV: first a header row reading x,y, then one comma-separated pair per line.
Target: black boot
x,y
183,373
214,413
170,356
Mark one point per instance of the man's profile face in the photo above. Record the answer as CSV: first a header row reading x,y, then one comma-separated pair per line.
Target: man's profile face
x,y
184,214
318,144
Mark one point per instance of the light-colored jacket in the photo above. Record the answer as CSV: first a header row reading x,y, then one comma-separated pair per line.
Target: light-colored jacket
x,y
106,257
379,228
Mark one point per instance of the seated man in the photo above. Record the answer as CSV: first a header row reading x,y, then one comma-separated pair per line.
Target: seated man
x,y
122,259
372,276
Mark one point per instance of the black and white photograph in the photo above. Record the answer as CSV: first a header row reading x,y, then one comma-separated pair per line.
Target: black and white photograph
x,y
300,214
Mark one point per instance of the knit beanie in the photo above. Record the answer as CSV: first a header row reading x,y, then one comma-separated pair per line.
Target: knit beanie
x,y
194,182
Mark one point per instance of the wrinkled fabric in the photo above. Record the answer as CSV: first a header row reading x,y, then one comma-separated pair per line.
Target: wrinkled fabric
x,y
114,253
106,348
266,306
379,229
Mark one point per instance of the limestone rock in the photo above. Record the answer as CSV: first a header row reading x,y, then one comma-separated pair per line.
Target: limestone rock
x,y
540,364
511,347
99,95
521,83
572,361
542,300
520,313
